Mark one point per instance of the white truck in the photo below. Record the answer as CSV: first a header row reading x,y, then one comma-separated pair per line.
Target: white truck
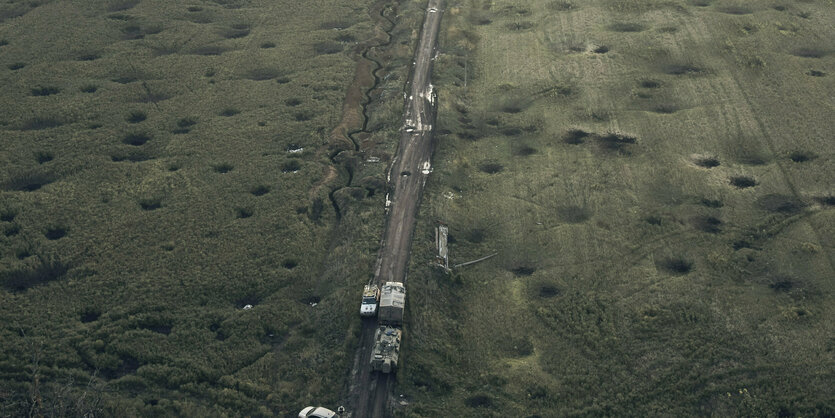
x,y
370,299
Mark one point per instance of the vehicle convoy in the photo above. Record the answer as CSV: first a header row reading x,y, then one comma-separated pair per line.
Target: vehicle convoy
x,y
386,350
370,299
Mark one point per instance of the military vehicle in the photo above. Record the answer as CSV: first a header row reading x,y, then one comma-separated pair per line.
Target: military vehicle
x,y
386,349
392,301
370,299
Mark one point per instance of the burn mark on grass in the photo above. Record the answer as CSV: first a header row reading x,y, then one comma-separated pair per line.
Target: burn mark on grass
x,y
45,91
24,278
675,265
291,166
802,156
573,214
28,182
575,136
614,141
55,233
816,73
826,200
479,401
709,224
780,204
519,26
89,88
735,10
16,66
90,315
260,190
136,139
150,204
743,182
809,53
229,111
243,213
261,74
7,215
223,168
43,157
705,161
523,270
626,27
327,47
602,49
524,151
475,236
548,291
292,102
491,167
136,116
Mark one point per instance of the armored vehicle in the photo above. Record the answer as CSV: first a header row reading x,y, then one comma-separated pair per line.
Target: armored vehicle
x,y
392,302
386,349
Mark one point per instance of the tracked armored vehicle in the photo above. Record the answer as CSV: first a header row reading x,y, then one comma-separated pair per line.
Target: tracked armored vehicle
x,y
386,349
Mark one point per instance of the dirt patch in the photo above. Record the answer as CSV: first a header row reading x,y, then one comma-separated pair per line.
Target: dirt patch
x,y
675,265
743,182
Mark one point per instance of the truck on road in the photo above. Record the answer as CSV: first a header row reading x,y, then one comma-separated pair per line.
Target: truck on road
x,y
392,302
370,299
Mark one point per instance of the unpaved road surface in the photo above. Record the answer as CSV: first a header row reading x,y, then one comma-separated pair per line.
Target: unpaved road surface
x,y
370,393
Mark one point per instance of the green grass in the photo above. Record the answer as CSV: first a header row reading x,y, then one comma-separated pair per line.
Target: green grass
x,y
662,245
161,171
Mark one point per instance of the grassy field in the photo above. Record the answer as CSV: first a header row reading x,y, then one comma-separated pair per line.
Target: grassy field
x,y
164,165
657,180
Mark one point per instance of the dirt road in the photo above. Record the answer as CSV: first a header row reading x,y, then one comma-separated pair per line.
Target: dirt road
x,y
370,393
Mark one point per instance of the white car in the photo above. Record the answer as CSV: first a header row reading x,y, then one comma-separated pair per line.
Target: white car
x,y
370,299
317,412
